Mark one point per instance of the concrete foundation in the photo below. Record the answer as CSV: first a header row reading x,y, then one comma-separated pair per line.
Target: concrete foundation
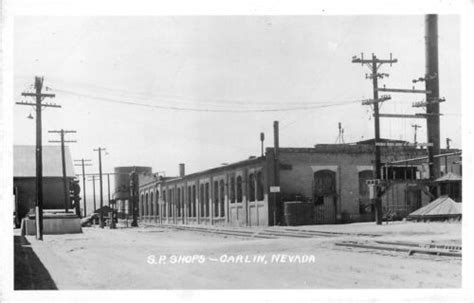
x,y
52,225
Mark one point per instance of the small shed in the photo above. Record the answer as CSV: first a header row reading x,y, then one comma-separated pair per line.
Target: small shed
x,y
443,208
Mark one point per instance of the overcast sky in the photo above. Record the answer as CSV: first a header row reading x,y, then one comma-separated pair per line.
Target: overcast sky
x,y
234,64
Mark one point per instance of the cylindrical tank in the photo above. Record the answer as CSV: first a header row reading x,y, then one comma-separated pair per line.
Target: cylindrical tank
x,y
122,180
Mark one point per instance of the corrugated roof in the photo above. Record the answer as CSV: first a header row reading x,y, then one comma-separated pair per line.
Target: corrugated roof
x,y
24,161
449,177
443,206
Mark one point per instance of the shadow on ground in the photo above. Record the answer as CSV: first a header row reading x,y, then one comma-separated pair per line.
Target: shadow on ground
x,y
30,273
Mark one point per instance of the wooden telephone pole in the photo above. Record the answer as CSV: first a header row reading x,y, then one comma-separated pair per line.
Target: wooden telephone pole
x,y
83,164
415,126
101,198
374,64
39,96
61,132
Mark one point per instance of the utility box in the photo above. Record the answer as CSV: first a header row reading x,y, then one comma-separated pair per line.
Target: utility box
x,y
373,184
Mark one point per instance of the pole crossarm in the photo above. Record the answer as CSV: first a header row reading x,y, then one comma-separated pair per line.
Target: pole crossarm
x,y
65,141
402,90
42,104
382,98
62,131
415,116
424,103
38,95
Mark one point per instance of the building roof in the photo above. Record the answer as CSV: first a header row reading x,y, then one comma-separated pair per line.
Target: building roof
x,y
443,206
384,140
24,161
449,177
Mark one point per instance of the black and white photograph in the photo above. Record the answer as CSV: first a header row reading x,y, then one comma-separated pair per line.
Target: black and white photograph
x,y
290,152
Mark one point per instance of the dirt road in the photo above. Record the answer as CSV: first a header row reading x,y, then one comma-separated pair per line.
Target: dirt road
x,y
155,258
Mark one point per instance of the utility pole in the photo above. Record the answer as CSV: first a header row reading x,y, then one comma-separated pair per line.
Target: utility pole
x,y
101,198
61,132
415,126
277,207
39,149
93,192
448,140
108,188
83,164
374,64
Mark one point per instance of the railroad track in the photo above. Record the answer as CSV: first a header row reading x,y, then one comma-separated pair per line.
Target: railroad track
x,y
410,248
267,233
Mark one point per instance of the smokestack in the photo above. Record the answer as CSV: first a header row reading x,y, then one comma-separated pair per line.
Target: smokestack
x,y
262,138
181,170
276,138
432,85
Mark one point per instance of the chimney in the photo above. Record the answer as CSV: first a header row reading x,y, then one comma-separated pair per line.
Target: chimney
x,y
276,138
181,170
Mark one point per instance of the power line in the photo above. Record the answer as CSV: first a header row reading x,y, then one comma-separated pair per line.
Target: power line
x,y
178,98
178,108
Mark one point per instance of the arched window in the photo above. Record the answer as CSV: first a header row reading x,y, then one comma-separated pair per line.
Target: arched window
x,y
259,186
206,199
239,189
216,199
146,205
179,203
251,187
222,197
194,200
232,190
189,201
163,196
202,200
142,206
157,198
170,203
152,202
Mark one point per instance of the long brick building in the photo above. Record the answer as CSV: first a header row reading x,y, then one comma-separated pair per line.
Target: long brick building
x,y
330,178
